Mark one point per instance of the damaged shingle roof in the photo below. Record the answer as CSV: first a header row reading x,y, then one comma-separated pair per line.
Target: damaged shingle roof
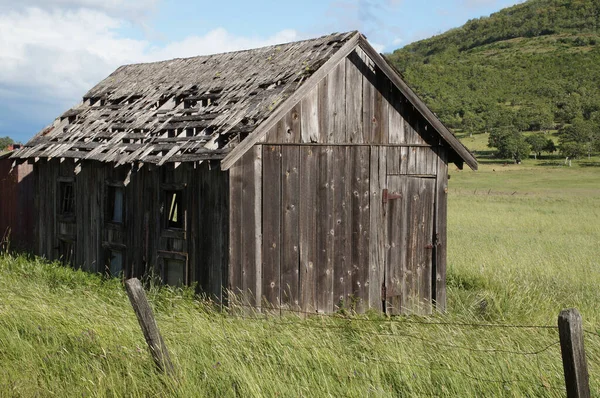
x,y
183,109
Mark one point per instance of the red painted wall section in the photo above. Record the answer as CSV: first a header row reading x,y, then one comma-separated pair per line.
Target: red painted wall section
x,y
16,205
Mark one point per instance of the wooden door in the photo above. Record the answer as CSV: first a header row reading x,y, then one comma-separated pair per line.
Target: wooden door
x,y
409,205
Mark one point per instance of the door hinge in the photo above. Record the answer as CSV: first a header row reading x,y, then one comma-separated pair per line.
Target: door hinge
x,y
386,196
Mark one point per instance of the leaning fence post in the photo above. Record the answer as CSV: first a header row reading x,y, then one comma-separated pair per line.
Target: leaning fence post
x,y
145,317
570,330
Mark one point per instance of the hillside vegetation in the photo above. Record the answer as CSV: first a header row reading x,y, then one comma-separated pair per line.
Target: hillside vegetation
x,y
531,67
522,246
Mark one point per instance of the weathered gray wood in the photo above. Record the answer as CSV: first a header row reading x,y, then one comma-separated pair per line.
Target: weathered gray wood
x,y
336,100
393,160
324,230
397,134
145,317
342,232
360,227
289,128
310,117
382,89
308,225
441,206
290,251
324,111
369,121
250,228
257,217
395,271
570,329
377,228
404,159
272,234
414,162
354,99
425,228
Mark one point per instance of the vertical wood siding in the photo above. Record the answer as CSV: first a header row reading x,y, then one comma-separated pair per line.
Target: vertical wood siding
x,y
328,240
354,104
141,237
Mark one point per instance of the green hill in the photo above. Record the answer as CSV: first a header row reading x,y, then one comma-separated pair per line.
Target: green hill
x,y
534,66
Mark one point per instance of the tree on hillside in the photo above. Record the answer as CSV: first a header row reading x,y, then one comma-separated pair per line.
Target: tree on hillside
x,y
5,142
578,139
539,143
509,144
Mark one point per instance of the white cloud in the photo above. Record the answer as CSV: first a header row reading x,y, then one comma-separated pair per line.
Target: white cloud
x,y
218,41
128,9
59,54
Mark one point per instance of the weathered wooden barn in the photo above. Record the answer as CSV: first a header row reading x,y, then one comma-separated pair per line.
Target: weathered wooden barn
x,y
305,175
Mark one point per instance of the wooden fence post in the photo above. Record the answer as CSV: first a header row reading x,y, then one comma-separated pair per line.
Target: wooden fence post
x,y
145,317
570,329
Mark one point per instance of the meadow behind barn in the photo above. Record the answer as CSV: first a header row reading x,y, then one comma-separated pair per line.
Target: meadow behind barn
x,y
523,244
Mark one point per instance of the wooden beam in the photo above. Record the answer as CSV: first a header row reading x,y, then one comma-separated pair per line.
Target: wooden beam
x,y
418,103
288,104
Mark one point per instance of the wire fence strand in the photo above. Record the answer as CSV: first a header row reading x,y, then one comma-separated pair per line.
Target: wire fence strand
x,y
263,315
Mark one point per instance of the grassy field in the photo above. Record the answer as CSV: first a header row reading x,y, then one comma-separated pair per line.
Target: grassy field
x,y
523,244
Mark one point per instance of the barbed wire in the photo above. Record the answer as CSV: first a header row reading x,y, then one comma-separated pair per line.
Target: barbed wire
x,y
264,315
420,338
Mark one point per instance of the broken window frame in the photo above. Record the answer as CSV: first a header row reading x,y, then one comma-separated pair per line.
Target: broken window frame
x,y
111,203
66,200
174,211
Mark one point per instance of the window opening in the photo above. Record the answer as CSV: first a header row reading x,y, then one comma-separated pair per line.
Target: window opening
x,y
115,205
67,198
174,209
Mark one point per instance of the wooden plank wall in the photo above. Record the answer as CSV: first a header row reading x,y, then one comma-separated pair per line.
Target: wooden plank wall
x,y
347,139
355,104
325,239
142,236
315,228
245,234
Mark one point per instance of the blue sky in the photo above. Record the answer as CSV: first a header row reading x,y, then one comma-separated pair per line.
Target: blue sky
x,y
53,51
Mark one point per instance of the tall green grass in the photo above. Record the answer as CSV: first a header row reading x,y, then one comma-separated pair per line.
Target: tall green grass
x,y
514,258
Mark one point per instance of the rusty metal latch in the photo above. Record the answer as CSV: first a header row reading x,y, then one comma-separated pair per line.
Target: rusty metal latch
x,y
386,196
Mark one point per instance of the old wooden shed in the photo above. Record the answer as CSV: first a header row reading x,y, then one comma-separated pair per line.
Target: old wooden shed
x,y
305,175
